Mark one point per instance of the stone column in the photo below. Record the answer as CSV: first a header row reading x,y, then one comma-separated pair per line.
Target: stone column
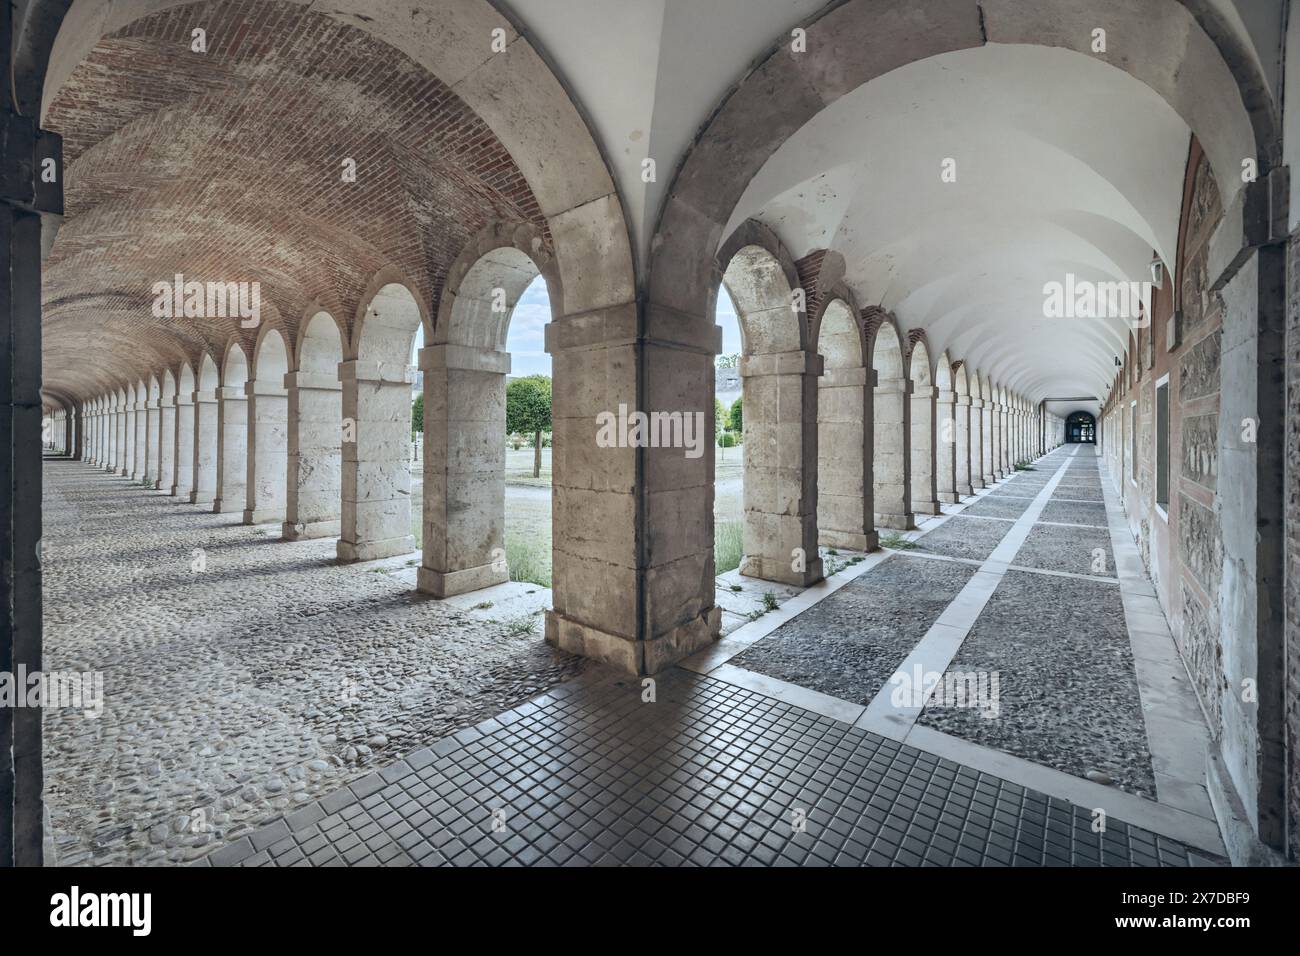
x,y
207,435
166,445
314,464
845,502
232,450
128,439
151,442
268,442
986,442
945,445
995,440
780,454
1006,439
376,518
111,432
924,450
182,474
963,414
464,469
140,444
891,454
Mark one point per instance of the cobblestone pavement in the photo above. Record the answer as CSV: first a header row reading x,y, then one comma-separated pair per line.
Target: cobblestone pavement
x,y
708,774
240,691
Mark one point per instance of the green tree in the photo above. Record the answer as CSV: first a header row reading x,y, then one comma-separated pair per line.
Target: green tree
x,y
738,416
417,414
719,418
528,409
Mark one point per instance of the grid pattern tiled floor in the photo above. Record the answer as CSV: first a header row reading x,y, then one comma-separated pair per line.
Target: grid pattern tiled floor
x,y
706,774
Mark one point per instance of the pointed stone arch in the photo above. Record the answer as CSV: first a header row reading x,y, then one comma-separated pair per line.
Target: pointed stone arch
x,y
892,439
314,411
923,426
268,427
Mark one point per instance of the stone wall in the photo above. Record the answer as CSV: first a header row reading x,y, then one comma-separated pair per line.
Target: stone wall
x,y
1293,539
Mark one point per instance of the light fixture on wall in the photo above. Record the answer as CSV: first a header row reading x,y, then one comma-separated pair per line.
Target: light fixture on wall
x,y
1157,273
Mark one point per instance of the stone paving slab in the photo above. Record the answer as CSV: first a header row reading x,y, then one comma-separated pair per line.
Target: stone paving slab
x,y
848,645
709,774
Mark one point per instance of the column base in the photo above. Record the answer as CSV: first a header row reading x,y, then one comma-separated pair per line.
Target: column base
x,y
262,515
926,508
222,507
950,497
849,540
349,551
445,584
964,491
904,522
310,529
989,480
199,498
778,570
630,656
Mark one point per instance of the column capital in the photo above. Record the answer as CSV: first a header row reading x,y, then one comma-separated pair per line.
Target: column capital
x,y
230,393
467,357
797,362
256,387
313,381
388,373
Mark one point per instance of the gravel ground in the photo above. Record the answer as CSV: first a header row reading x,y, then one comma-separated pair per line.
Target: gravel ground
x,y
1067,549
1071,512
1068,689
848,645
270,677
960,537
997,506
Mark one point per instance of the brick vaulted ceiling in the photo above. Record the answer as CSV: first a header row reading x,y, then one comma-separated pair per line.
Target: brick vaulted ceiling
x,y
226,166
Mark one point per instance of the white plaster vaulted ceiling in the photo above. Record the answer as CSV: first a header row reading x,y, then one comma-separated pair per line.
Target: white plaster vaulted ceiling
x,y
1063,165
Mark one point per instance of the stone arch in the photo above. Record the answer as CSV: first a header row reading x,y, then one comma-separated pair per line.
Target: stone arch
x,y
268,428
845,512
314,410
465,368
232,430
779,389
207,413
166,459
136,431
891,451
987,412
182,477
149,467
963,431
945,430
375,520
923,426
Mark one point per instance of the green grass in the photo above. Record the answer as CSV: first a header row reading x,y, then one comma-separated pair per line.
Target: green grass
x,y
728,545
529,559
896,541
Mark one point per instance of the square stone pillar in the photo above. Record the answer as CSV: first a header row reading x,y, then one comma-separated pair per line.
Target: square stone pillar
x,y
845,502
464,469
206,440
152,435
925,499
780,454
140,442
945,445
376,485
891,455
996,436
166,446
128,440
182,475
232,450
986,441
268,442
964,431
314,463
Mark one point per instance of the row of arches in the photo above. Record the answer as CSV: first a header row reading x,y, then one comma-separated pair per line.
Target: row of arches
x,y
850,424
